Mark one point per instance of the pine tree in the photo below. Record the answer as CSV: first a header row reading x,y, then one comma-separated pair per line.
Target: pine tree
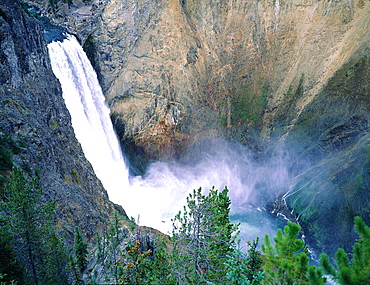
x,y
286,262
100,246
202,238
80,251
38,250
56,262
30,223
245,268
10,267
148,267
354,271
21,197
136,265
159,267
114,238
108,247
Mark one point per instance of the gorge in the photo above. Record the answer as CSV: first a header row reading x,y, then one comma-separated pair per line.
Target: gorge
x,y
276,92
166,184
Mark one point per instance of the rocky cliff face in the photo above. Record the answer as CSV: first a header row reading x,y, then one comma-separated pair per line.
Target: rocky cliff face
x,y
262,72
33,112
171,69
292,74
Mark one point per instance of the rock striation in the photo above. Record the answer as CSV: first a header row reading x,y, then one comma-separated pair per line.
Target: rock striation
x,y
172,69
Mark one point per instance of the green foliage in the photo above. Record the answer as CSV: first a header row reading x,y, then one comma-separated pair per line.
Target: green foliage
x,y
354,270
292,94
10,267
114,238
248,105
202,238
56,261
53,5
160,268
76,176
135,266
54,125
286,262
315,276
80,250
21,198
5,158
115,226
8,147
90,39
202,249
132,224
144,266
245,269
29,226
100,247
108,248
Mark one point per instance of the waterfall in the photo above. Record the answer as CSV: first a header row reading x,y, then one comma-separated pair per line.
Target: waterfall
x,y
153,200
90,115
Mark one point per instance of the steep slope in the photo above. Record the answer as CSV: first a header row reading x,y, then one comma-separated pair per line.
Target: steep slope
x,y
33,112
332,132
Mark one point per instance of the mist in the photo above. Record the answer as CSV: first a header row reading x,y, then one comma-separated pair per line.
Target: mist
x,y
155,198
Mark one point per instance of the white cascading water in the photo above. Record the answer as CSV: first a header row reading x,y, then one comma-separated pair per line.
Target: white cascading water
x,y
153,200
90,115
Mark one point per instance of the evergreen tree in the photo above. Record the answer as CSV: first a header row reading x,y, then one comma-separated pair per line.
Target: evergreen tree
x,y
21,198
100,246
115,236
202,238
245,268
56,261
136,265
286,262
108,248
10,268
146,266
80,251
355,270
30,224
160,269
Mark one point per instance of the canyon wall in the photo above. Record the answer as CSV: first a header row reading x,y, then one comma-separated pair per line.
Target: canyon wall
x,y
268,74
174,69
292,75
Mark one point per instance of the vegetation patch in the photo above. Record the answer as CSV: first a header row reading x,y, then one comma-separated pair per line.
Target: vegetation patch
x,y
8,148
54,125
247,105
34,254
76,177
